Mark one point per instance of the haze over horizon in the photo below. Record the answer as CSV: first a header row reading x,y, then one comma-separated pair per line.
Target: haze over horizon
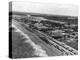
x,y
45,8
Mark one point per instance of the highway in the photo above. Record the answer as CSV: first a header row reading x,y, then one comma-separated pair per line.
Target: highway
x,y
54,48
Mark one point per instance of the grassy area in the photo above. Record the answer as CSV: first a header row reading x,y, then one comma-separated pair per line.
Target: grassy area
x,y
20,49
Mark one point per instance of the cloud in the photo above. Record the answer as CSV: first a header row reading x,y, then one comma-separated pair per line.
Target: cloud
x,y
47,8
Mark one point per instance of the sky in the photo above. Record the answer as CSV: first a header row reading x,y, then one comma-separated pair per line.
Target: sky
x,y
45,8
